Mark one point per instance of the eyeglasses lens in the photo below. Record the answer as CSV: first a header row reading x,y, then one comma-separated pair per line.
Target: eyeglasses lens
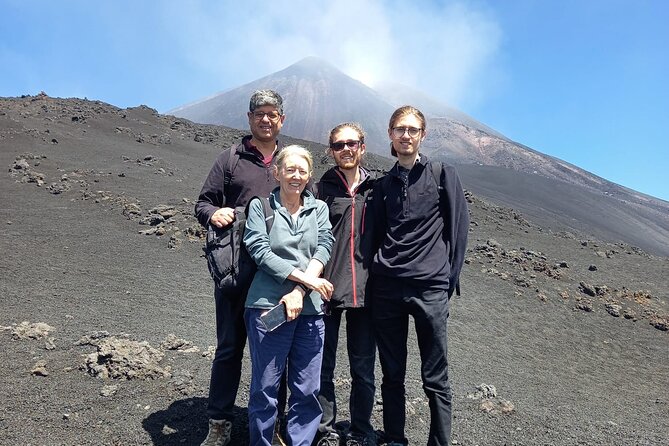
x,y
399,131
337,146
272,116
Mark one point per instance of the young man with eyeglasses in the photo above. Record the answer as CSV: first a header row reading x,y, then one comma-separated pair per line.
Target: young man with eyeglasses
x,y
420,222
345,188
223,190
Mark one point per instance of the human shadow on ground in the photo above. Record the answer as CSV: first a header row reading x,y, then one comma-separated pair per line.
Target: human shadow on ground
x,y
185,423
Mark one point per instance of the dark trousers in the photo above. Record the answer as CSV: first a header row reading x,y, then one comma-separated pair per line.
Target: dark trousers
x,y
394,300
361,348
226,369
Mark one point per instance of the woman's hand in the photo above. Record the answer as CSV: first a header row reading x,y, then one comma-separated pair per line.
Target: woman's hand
x,y
323,286
293,302
311,279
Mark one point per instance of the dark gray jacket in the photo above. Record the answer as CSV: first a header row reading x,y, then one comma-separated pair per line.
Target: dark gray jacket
x,y
346,270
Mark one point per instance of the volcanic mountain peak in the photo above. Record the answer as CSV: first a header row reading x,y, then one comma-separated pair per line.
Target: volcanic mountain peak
x,y
318,96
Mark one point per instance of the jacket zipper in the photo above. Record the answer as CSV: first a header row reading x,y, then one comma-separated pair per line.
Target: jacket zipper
x,y
351,240
352,253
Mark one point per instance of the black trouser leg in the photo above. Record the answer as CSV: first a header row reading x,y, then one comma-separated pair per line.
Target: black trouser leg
x,y
361,345
430,313
391,322
226,368
326,397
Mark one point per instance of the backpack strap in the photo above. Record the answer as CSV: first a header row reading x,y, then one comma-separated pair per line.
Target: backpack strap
x,y
230,164
269,213
267,210
437,170
438,174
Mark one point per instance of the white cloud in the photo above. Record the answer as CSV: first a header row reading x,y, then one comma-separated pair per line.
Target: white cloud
x,y
441,49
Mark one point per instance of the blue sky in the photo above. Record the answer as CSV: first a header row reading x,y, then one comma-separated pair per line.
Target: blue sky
x,y
584,81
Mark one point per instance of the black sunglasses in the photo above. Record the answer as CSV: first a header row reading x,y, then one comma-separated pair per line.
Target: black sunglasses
x,y
337,146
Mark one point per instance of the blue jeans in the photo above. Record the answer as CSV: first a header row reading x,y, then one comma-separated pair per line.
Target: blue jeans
x,y
361,348
393,301
300,344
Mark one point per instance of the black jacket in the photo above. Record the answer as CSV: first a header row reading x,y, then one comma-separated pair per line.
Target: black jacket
x,y
250,178
346,269
420,233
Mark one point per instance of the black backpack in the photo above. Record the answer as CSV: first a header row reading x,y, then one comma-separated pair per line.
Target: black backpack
x,y
230,265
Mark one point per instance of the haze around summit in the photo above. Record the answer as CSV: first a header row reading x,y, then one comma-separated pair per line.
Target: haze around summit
x,y
581,81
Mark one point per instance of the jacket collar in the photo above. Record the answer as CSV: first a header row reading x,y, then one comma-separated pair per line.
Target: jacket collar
x,y
422,160
246,147
336,176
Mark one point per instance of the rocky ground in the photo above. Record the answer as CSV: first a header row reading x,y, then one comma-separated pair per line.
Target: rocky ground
x,y
106,314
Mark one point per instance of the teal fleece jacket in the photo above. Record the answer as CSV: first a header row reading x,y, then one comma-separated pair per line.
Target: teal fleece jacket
x,y
290,244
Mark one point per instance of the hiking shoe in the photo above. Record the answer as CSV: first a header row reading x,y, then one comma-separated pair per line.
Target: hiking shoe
x,y
359,440
219,433
329,439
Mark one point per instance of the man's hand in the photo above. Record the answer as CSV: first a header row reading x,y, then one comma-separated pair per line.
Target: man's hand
x,y
293,302
222,217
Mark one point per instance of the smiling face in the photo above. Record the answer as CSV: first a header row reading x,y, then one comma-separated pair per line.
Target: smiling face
x,y
404,144
265,123
347,157
293,175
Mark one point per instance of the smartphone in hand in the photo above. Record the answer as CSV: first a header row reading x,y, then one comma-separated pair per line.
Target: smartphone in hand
x,y
274,317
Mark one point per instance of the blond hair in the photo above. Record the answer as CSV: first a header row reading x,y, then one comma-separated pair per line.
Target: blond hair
x,y
294,149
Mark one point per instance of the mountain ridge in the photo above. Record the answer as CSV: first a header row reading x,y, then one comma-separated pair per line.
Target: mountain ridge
x,y
317,96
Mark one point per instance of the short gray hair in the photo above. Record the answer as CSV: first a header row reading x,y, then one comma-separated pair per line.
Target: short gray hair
x,y
294,149
266,97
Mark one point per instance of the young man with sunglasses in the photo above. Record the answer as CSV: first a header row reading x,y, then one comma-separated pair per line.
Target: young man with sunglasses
x,y
420,222
345,188
223,190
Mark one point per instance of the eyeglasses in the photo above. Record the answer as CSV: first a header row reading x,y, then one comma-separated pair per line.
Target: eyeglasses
x,y
325,308
398,132
337,146
272,116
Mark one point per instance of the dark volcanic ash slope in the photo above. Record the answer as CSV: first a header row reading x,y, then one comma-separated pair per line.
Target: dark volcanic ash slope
x,y
106,317
559,205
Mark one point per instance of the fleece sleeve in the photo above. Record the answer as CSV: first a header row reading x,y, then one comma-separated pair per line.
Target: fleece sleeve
x,y
257,244
458,224
212,195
